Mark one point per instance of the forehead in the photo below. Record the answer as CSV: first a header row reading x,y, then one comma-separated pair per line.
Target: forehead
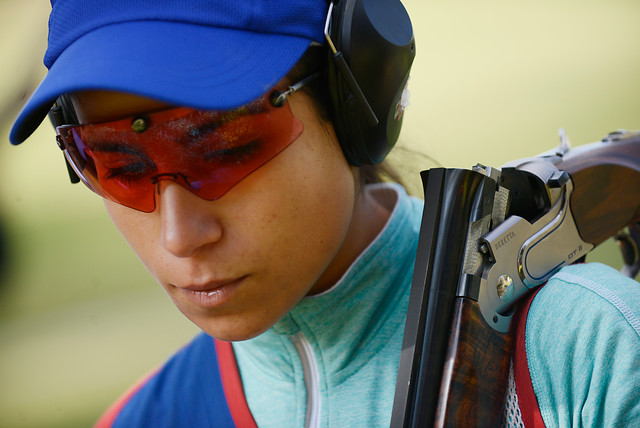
x,y
102,106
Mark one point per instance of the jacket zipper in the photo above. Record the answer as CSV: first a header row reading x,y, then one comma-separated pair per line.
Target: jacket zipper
x,y
311,379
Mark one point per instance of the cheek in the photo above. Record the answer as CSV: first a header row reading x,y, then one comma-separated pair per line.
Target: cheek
x,y
308,198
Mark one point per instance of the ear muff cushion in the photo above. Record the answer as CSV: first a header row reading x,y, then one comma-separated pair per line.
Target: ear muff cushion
x,y
376,39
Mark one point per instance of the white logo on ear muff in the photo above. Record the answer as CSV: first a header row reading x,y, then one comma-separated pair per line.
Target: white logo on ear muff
x,y
403,103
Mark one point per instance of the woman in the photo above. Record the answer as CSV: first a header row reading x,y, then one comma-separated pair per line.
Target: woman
x,y
256,206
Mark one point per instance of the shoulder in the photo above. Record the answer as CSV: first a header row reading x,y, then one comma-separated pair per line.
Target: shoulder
x,y
185,391
583,347
581,292
588,294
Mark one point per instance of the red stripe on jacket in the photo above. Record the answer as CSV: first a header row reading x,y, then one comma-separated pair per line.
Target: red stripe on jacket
x,y
232,385
527,400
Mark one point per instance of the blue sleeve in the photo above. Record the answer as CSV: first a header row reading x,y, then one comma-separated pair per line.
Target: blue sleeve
x,y
186,392
583,348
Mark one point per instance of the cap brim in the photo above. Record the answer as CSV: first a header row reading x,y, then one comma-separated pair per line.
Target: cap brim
x,y
183,64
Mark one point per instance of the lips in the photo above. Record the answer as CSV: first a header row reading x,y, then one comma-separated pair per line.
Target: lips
x,y
211,294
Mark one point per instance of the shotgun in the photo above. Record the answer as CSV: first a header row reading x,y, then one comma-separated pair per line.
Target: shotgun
x,y
488,238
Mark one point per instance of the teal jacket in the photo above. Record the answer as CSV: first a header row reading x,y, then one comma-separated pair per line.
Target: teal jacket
x,y
583,348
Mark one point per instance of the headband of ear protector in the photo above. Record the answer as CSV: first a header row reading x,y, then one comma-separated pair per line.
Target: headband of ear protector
x,y
371,48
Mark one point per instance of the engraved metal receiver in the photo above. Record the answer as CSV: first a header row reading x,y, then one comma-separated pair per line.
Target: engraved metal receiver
x,y
521,249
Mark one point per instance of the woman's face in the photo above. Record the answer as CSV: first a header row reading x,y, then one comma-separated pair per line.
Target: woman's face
x,y
236,265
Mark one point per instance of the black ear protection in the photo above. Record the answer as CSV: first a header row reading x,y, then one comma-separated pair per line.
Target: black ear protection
x,y
371,48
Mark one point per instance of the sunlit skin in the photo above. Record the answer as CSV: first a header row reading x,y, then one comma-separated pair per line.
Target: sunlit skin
x,y
289,229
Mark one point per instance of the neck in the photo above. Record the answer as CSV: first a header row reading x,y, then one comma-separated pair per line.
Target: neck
x,y
370,214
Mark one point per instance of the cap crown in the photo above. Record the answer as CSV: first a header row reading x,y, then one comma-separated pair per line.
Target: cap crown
x,y
72,19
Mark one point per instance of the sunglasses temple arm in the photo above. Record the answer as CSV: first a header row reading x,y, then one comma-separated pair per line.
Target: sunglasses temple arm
x,y
73,177
302,83
278,98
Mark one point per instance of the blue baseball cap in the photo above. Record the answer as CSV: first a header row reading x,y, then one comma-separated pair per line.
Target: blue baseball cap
x,y
207,54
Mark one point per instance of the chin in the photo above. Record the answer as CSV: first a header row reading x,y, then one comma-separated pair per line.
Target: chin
x,y
230,330
233,336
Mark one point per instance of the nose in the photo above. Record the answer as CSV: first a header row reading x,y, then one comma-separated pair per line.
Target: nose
x,y
188,222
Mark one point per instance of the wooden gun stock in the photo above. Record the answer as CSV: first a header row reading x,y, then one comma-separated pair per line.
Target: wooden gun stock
x,y
463,383
474,379
606,195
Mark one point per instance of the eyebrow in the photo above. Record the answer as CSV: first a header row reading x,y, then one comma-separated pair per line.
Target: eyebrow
x,y
114,148
196,133
231,151
220,119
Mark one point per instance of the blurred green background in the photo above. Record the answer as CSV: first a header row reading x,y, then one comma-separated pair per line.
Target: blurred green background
x,y
80,320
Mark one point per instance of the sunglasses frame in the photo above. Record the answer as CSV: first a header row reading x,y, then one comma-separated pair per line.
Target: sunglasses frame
x,y
139,124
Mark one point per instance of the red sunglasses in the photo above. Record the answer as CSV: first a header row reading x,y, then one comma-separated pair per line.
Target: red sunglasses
x,y
206,152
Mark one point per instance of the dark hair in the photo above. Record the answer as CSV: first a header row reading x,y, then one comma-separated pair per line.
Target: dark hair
x,y
315,59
